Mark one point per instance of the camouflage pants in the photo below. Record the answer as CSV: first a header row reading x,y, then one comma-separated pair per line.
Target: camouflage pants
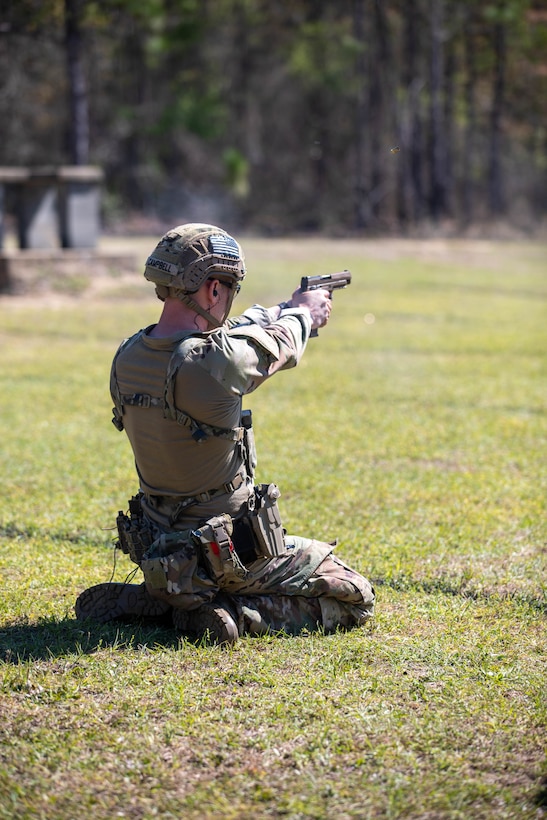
x,y
341,599
304,589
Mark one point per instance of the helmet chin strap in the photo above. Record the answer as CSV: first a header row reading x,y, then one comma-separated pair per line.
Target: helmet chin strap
x,y
210,319
187,299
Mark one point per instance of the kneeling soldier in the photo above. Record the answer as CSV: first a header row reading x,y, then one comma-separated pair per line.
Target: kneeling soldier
x,y
209,541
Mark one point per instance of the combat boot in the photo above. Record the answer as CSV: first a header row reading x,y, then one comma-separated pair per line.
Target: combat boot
x,y
114,601
213,623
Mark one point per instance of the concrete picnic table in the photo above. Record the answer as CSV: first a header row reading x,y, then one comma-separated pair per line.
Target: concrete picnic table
x,y
55,206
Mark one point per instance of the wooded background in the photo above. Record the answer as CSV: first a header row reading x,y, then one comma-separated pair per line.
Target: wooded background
x,y
348,116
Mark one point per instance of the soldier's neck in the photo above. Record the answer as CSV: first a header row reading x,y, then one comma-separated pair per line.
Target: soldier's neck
x,y
175,317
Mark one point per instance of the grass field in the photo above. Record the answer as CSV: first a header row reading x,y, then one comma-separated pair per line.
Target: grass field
x,y
415,432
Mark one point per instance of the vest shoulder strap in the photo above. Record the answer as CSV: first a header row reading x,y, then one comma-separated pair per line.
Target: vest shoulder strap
x,y
200,430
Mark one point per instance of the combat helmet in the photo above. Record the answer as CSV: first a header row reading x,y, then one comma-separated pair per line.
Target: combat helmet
x,y
189,255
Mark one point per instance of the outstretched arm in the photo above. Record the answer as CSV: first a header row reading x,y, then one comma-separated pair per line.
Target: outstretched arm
x,y
317,304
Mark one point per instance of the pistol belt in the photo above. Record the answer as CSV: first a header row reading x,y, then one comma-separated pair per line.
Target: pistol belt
x,y
180,502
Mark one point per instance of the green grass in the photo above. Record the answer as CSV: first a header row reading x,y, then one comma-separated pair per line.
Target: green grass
x,y
415,431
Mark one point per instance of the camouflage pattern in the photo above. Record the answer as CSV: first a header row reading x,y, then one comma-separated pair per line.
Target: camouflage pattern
x,y
276,614
307,571
179,579
189,254
294,615
172,572
304,588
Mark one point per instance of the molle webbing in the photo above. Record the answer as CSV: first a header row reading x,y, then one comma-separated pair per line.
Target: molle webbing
x,y
200,430
141,400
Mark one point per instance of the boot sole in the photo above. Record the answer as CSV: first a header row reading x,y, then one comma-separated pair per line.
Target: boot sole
x,y
109,602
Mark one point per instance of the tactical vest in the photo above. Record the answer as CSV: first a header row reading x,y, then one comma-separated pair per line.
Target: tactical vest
x,y
242,435
200,431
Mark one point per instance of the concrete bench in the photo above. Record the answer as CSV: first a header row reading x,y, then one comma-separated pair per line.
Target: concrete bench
x,y
54,206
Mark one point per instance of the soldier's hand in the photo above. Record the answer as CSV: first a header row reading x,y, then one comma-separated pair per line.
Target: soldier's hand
x,y
318,302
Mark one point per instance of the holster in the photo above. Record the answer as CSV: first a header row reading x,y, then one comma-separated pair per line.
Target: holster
x,y
259,532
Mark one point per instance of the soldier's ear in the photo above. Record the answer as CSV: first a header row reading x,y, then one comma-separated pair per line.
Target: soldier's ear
x,y
213,283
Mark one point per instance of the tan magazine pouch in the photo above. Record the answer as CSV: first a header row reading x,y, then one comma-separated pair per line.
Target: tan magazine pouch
x,y
219,553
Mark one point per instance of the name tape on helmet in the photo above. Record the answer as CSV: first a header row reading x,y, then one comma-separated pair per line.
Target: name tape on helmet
x,y
223,245
160,264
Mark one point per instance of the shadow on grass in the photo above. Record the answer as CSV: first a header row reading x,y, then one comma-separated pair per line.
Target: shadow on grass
x,y
540,798
56,638
20,643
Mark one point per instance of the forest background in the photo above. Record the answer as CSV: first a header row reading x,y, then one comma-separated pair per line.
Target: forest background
x,y
347,117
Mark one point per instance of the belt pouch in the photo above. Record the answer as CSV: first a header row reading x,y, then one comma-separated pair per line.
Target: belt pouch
x,y
215,537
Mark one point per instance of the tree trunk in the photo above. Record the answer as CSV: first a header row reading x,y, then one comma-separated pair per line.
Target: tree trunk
x,y
470,137
134,91
437,195
78,129
495,184
378,70
449,102
409,159
362,208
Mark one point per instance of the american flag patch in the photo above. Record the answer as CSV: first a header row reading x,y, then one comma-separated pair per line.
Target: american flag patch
x,y
224,245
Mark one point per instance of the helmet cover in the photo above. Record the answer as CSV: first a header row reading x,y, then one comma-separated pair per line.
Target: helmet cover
x,y
189,254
